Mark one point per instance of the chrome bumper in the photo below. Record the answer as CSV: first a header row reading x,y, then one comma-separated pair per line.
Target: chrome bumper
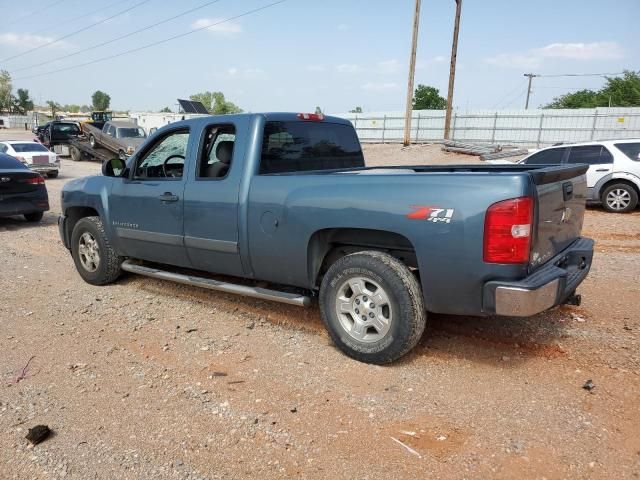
x,y
550,285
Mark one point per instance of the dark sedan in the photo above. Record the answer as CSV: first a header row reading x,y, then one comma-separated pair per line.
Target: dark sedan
x,y
22,191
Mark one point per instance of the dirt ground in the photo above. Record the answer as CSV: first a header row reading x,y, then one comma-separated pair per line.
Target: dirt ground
x,y
146,379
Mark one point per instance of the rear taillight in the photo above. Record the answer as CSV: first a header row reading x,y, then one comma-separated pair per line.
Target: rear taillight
x,y
314,117
507,231
39,180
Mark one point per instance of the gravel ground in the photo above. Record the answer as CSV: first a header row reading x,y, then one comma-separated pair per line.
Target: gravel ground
x,y
147,379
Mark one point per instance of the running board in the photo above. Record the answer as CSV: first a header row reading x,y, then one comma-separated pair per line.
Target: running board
x,y
255,292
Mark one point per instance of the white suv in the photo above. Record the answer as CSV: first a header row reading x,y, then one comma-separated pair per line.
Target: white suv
x,y
613,178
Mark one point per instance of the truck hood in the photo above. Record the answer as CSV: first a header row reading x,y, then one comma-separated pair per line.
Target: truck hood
x,y
131,142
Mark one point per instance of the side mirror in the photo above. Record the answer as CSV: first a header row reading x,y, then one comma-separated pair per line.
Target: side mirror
x,y
113,167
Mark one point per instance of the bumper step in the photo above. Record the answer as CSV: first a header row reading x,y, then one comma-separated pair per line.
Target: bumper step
x,y
255,292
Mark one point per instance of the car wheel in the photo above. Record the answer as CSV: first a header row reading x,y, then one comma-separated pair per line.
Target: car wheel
x,y
96,261
92,141
619,198
33,217
52,174
372,307
76,155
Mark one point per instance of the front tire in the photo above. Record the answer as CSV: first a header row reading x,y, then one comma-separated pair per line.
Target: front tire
x,y
96,261
52,174
619,198
372,307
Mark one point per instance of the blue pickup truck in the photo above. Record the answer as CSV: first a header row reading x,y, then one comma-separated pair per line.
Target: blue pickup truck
x,y
231,202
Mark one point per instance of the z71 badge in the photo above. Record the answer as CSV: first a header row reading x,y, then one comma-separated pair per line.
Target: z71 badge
x,y
431,214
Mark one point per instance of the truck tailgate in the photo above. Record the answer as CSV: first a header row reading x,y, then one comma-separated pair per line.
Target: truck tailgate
x,y
562,193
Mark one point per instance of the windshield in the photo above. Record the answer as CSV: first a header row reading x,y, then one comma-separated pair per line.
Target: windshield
x,y
28,147
134,132
69,128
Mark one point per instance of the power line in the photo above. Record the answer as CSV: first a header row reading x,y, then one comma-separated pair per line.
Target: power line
x,y
85,15
77,52
518,87
40,10
579,74
153,44
76,32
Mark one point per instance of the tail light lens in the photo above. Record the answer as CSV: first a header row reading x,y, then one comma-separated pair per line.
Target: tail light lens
x,y
39,180
507,231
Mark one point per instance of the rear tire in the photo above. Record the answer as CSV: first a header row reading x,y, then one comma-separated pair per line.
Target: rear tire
x,y
52,174
372,306
96,261
76,155
33,217
619,198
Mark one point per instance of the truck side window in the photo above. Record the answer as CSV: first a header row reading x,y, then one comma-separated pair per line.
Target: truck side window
x,y
552,156
307,146
165,159
590,154
112,131
217,151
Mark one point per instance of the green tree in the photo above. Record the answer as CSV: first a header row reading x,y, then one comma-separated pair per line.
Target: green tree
x,y
356,110
215,103
100,100
85,108
617,92
54,107
318,111
165,110
5,90
23,102
428,98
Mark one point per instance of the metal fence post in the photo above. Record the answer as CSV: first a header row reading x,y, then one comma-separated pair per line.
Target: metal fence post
x,y
593,127
384,127
495,123
418,128
540,130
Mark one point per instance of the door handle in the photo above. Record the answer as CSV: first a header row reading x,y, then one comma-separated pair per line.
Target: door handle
x,y
168,197
602,170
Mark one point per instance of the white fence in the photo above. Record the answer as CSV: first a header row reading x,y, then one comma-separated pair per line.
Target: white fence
x,y
532,128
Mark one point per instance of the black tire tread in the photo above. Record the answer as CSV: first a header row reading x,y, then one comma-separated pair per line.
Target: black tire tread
x,y
413,302
632,193
109,258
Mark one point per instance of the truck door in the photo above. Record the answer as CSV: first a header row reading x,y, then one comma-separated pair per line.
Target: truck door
x,y
211,200
146,208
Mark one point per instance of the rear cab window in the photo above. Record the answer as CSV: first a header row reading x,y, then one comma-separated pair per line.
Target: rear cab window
x,y
68,128
290,146
631,150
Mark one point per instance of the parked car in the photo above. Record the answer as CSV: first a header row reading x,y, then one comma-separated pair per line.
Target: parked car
x,y
613,178
287,199
22,192
120,137
34,155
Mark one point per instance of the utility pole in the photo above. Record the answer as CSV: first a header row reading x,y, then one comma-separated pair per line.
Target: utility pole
x,y
452,69
412,71
530,75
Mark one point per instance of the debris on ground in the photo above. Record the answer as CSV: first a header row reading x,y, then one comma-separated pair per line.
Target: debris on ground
x,y
578,318
38,434
589,385
23,374
407,447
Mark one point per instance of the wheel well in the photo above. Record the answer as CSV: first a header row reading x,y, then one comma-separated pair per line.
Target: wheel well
x,y
328,245
613,181
74,214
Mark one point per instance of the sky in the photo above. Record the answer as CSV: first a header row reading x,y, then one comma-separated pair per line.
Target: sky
x,y
299,54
